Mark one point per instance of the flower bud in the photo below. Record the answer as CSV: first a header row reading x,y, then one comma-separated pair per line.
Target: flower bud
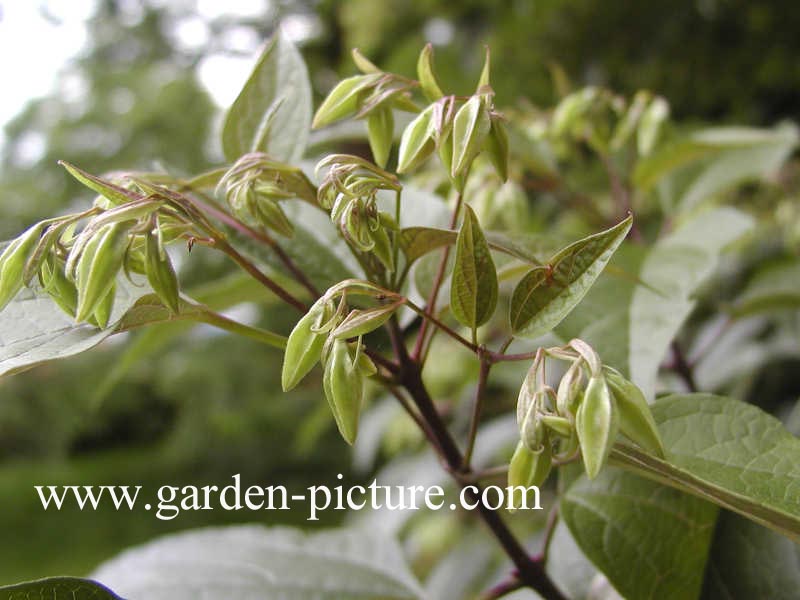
x,y
596,424
416,143
635,419
98,265
344,388
12,262
427,77
380,129
303,348
160,273
344,99
360,322
470,128
527,469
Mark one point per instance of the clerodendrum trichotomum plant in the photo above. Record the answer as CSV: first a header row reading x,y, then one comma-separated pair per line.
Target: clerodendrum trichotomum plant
x,y
418,256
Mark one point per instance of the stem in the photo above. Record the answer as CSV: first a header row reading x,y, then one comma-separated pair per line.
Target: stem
x,y
261,237
448,330
503,588
437,282
483,377
549,530
259,276
530,573
681,367
210,317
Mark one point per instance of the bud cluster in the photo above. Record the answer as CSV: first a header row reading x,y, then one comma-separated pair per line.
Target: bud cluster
x,y
592,404
349,191
254,187
324,335
126,231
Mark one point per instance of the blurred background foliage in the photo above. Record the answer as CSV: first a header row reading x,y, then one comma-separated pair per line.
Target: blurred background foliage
x,y
142,94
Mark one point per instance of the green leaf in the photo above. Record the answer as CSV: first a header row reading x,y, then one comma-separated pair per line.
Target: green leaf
x,y
272,113
749,561
416,242
775,286
344,99
715,160
263,563
33,329
473,291
631,325
114,193
547,294
620,520
58,588
729,452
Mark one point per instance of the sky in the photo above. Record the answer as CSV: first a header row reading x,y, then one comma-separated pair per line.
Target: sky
x,y
38,38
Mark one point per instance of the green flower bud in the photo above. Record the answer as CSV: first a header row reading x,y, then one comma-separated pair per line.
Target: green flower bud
x,y
360,322
635,419
470,128
344,388
303,348
532,430
363,63
344,99
596,424
569,389
62,291
102,313
98,265
380,129
12,262
558,425
160,273
416,143
427,77
497,146
528,469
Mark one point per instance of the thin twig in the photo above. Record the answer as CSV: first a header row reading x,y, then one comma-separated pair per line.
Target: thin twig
x,y
259,276
437,283
681,367
448,330
483,378
503,588
261,237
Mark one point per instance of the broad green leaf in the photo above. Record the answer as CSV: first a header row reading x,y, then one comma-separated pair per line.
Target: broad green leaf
x,y
257,563
473,291
217,295
58,588
418,241
33,329
272,113
749,561
546,295
729,452
620,520
631,325
569,568
715,160
775,286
